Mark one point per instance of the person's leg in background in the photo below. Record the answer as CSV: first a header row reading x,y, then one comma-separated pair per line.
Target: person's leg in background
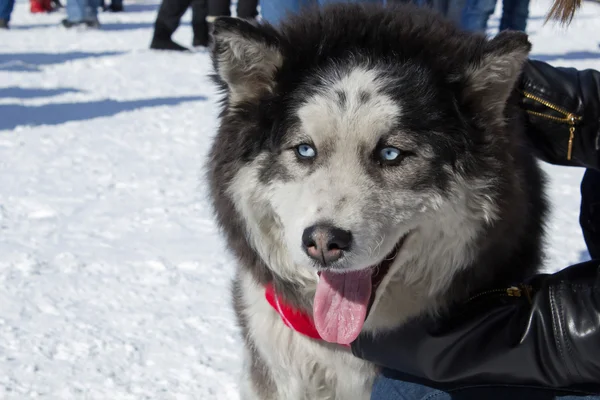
x,y
247,9
514,15
116,6
476,14
393,386
216,8
91,13
589,217
167,21
451,9
6,8
422,3
74,12
40,6
273,11
455,10
219,8
388,387
415,2
323,2
441,6
200,13
82,12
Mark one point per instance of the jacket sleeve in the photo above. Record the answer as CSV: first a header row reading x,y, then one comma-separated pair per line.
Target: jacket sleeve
x,y
550,338
563,113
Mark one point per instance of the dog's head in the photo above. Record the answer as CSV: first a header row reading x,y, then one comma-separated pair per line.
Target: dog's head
x,y
350,129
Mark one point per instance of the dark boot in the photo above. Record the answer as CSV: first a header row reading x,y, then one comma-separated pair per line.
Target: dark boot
x,y
68,24
3,24
116,6
167,44
167,21
163,41
93,24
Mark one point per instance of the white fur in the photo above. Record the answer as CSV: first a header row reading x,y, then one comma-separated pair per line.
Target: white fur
x,y
264,228
322,117
302,368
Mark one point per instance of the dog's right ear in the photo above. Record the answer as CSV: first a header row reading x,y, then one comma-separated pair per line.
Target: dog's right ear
x,y
246,57
494,72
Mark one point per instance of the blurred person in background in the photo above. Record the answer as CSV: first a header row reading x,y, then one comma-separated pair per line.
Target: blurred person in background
x,y
6,7
274,11
35,6
115,6
82,12
476,15
169,17
246,9
451,9
40,6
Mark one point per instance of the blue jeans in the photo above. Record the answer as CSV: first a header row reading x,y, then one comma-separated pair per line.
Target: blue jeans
x,y
6,7
82,10
451,9
273,11
476,14
388,388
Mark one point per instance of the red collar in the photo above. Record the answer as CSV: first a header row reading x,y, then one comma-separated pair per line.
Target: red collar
x,y
293,318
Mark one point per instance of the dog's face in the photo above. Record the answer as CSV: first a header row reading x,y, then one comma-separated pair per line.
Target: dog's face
x,y
344,157
354,173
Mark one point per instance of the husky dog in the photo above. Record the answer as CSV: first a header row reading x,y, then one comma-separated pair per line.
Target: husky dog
x,y
370,167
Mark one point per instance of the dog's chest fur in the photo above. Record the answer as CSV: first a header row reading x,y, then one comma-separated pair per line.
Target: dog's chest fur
x,y
291,365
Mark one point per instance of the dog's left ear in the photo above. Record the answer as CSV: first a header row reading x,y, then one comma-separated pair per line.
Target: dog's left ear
x,y
492,76
246,57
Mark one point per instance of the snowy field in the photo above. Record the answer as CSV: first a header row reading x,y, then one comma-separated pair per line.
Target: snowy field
x,y
113,278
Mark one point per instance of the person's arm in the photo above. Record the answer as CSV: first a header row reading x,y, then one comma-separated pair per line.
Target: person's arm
x,y
549,335
563,113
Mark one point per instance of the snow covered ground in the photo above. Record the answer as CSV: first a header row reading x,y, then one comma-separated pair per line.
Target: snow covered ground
x,y
113,278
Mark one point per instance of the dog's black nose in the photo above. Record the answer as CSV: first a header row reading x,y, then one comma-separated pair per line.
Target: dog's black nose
x,y
326,243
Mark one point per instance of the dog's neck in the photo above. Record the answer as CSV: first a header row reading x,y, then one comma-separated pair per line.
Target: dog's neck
x,y
294,318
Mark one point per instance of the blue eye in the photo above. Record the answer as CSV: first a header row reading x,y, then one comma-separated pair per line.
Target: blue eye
x,y
389,154
306,151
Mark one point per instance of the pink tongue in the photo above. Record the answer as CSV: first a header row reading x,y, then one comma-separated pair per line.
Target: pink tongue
x,y
340,305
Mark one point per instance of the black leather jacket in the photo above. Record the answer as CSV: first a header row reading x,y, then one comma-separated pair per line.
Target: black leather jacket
x,y
545,332
563,109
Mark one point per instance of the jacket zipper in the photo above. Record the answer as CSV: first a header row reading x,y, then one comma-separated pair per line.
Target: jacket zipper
x,y
569,118
512,291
